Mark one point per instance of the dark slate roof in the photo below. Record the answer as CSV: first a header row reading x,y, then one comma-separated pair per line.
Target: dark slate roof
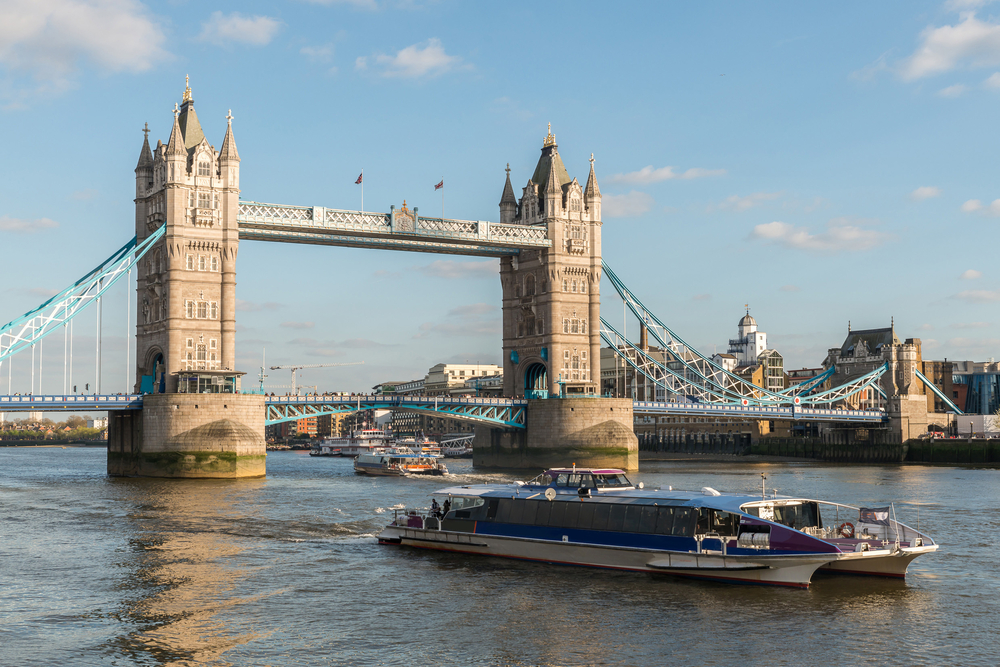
x,y
873,338
550,156
190,127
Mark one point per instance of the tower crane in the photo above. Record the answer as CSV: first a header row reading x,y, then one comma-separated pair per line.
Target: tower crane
x,y
301,366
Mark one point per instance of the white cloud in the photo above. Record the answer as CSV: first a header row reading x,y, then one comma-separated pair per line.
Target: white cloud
x,y
979,296
648,175
970,325
790,288
252,306
925,192
953,91
472,309
298,325
971,42
50,39
459,270
702,297
841,235
976,206
626,206
992,81
318,54
737,203
235,28
971,274
415,61
964,5
22,226
926,327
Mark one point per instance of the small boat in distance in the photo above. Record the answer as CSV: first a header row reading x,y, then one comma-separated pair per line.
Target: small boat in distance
x,y
598,518
397,462
364,440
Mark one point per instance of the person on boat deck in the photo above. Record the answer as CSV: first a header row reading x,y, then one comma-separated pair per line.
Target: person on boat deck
x,y
447,506
435,508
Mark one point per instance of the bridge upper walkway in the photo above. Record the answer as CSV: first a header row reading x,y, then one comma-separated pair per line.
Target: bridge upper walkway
x,y
497,412
396,230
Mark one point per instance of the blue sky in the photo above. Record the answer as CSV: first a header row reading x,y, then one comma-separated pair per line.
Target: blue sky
x,y
823,163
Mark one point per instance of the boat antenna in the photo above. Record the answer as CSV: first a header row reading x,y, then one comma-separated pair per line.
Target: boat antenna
x,y
763,489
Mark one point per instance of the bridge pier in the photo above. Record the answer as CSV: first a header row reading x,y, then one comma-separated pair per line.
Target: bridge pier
x,y
590,432
189,436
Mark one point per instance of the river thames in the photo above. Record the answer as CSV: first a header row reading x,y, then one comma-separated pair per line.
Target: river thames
x,y
287,571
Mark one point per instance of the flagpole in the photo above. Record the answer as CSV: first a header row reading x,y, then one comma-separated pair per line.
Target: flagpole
x,y
362,189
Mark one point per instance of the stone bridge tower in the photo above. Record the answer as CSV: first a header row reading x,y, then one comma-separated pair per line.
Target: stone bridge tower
x,y
186,293
551,331
193,422
551,298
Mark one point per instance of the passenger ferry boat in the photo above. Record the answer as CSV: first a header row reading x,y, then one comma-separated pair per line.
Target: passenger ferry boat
x,y
398,461
598,518
358,442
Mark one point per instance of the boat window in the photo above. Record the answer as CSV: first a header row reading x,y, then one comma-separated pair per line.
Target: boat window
x,y
528,511
572,515
704,522
617,518
665,521
632,514
542,513
601,514
684,518
647,520
562,480
805,515
516,512
557,515
460,503
491,512
725,523
586,519
503,514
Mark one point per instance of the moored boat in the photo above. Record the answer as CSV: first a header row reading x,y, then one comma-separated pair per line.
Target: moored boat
x,y
597,517
361,441
396,462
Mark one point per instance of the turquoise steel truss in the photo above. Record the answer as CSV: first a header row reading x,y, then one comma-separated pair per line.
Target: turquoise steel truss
x,y
496,412
687,376
38,323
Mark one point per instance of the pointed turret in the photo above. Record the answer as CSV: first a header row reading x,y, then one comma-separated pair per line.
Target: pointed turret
x,y
592,194
508,202
175,145
145,155
592,190
549,158
228,152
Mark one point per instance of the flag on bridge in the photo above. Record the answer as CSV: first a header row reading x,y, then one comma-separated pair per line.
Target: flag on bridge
x,y
439,185
360,176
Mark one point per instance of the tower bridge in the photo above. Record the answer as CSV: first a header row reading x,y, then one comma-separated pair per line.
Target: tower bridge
x,y
187,416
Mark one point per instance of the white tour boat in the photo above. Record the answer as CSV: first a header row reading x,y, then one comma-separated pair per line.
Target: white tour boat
x,y
598,518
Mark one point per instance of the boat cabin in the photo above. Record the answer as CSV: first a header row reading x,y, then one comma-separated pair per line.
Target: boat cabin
x,y
583,478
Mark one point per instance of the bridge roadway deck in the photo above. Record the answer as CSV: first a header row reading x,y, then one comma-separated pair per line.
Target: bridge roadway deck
x,y
491,411
396,230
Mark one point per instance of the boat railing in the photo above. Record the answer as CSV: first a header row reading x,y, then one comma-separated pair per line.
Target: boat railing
x,y
422,518
847,525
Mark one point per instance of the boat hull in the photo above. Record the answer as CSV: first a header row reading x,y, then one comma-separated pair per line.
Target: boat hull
x,y
793,570
881,563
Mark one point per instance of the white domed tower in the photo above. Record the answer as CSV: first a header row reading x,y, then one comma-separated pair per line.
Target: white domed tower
x,y
749,342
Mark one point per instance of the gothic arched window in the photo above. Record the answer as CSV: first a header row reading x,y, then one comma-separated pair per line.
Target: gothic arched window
x,y
529,285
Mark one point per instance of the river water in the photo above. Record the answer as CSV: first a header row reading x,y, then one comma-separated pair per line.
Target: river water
x,y
287,571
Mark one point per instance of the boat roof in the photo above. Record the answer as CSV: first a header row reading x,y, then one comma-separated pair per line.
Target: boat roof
x,y
585,471
730,502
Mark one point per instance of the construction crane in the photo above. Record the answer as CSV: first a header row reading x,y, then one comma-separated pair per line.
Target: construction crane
x,y
294,369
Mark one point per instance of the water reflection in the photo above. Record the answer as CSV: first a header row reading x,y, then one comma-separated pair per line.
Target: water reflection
x,y
181,565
